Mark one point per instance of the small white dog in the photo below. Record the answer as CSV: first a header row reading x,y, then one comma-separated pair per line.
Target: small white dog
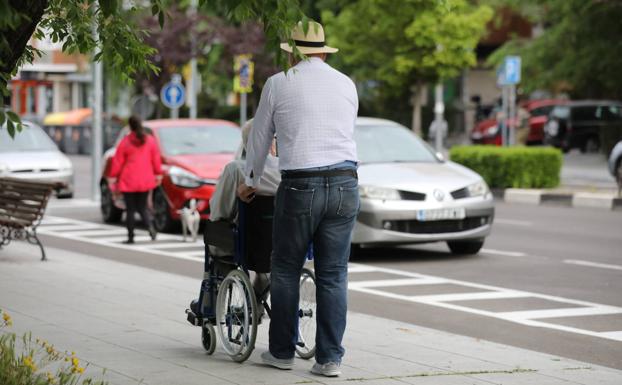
x,y
190,219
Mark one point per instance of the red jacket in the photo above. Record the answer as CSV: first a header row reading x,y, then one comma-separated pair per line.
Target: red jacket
x,y
136,165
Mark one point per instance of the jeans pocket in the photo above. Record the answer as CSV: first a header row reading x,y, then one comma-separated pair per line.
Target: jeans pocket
x,y
297,202
348,202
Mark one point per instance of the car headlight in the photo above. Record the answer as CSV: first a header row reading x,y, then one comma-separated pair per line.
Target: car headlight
x,y
478,189
184,178
373,192
552,128
492,130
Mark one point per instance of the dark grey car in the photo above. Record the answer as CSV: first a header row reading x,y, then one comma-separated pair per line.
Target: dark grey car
x,y
585,125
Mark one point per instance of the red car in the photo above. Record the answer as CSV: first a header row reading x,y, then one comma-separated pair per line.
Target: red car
x,y
488,132
194,153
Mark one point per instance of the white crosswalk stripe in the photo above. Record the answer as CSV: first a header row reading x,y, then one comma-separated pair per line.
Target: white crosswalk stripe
x,y
113,236
470,301
563,308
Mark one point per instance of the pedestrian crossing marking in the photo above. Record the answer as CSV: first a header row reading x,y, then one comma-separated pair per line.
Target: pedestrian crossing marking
x,y
535,318
113,236
194,251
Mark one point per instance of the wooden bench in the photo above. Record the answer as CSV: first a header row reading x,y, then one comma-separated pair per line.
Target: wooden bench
x,y
22,204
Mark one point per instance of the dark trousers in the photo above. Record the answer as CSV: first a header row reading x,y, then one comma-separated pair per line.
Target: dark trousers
x,y
136,202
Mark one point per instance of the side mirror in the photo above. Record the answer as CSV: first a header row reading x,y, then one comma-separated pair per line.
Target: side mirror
x,y
440,157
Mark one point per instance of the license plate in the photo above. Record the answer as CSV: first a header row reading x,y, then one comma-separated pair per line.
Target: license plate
x,y
440,214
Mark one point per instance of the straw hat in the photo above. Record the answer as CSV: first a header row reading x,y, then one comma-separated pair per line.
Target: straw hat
x,y
311,42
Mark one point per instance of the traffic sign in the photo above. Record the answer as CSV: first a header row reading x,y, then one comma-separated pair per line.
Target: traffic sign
x,y
173,94
510,71
244,69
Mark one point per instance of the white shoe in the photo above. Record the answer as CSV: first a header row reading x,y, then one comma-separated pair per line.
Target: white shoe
x,y
281,363
329,369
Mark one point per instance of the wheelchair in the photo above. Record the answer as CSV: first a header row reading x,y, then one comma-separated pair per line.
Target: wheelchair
x,y
228,304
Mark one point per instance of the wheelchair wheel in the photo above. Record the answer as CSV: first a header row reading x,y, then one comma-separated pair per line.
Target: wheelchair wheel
x,y
305,347
208,338
236,315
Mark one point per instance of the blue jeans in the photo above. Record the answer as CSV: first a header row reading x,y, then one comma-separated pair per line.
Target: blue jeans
x,y
321,210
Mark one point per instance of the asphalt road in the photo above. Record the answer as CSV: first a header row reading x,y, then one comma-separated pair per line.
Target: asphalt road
x,y
548,279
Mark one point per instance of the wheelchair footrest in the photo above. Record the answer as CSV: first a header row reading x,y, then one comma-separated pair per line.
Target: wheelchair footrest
x,y
193,318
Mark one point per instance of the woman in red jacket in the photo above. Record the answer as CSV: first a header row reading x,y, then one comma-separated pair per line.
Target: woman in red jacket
x,y
136,168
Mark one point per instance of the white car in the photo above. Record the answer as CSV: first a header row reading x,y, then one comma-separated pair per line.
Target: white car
x,y
409,194
32,155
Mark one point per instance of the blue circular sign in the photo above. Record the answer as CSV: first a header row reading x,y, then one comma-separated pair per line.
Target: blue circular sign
x,y
173,95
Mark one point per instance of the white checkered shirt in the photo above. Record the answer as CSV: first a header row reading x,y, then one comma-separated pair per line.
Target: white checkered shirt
x,y
312,109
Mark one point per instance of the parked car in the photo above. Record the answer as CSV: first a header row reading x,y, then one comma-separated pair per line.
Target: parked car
x,y
32,155
409,194
488,130
194,153
615,165
582,124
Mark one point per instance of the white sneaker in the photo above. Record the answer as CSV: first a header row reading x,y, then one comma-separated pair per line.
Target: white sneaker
x,y
281,363
329,369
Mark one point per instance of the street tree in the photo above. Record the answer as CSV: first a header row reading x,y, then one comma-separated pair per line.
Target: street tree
x,y
119,37
578,51
407,43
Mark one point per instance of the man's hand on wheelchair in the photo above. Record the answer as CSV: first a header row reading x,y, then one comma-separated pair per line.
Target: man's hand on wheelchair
x,y
246,193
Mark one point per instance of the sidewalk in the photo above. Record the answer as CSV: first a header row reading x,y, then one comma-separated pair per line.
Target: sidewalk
x,y
130,320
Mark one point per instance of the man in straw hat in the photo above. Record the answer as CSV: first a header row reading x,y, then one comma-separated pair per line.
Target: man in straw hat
x,y
312,109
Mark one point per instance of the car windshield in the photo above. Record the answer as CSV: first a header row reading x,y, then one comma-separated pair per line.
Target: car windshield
x,y
31,138
561,112
390,143
199,140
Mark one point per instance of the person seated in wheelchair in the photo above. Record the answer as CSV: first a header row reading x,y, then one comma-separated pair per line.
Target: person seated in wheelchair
x,y
224,208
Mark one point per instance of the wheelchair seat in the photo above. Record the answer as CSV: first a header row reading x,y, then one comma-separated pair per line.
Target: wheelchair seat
x,y
251,238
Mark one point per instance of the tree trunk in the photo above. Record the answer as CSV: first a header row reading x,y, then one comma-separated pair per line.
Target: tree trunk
x,y
18,38
416,102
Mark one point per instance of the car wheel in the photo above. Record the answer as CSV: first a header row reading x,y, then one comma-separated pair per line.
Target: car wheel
x,y
110,212
162,220
619,177
68,195
465,247
591,145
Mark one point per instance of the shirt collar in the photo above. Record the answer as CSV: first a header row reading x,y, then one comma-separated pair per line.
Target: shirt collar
x,y
311,60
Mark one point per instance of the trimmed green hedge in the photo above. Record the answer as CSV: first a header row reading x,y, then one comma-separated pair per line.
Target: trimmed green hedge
x,y
519,167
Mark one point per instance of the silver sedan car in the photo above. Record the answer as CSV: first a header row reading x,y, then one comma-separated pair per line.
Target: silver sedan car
x,y
409,194
32,155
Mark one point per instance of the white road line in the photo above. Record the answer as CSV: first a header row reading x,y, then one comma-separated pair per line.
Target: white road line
x,y
470,296
593,264
174,245
503,253
562,312
64,228
613,335
360,269
513,222
98,231
588,308
396,282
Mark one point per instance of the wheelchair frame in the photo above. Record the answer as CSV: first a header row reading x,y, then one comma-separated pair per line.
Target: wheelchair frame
x,y
229,303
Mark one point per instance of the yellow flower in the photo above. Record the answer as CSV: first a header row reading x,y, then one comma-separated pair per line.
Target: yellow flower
x,y
28,363
51,379
75,362
7,319
80,370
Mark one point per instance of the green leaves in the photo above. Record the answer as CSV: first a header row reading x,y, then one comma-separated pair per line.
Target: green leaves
x,y
578,51
12,120
398,42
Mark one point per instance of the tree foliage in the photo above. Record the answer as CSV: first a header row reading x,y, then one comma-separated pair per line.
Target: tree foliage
x,y
578,52
120,40
398,43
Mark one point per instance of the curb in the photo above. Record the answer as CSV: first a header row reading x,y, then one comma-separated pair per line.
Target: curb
x,y
577,199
